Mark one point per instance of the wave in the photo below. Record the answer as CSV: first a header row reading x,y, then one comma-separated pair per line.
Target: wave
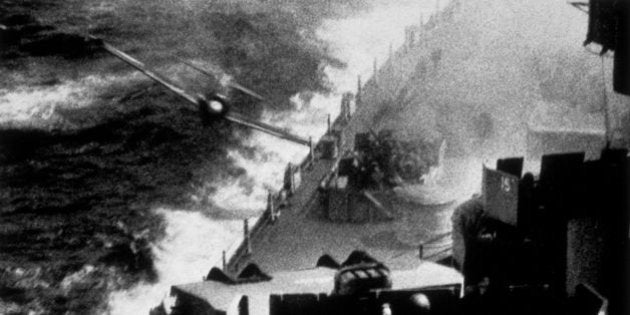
x,y
264,157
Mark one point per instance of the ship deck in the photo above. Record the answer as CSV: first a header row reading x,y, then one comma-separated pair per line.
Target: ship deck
x,y
302,234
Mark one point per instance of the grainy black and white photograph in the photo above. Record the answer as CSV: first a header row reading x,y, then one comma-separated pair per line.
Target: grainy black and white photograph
x,y
298,157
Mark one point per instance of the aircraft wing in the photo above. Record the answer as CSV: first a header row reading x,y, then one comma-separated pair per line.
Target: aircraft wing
x,y
230,84
151,74
272,130
230,116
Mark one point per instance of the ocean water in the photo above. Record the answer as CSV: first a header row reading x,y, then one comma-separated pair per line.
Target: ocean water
x,y
112,192
356,41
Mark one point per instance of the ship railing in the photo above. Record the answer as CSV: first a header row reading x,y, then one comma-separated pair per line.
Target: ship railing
x,y
340,122
240,247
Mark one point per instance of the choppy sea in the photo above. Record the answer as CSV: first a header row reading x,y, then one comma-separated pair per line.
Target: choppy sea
x,y
110,188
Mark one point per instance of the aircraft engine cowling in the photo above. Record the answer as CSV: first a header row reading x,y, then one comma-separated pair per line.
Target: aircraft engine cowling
x,y
212,109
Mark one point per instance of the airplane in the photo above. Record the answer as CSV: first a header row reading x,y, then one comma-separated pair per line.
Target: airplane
x,y
211,108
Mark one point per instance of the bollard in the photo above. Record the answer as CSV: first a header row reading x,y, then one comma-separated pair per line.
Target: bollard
x,y
421,251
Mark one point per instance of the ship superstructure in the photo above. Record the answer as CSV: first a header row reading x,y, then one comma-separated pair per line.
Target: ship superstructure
x,y
526,245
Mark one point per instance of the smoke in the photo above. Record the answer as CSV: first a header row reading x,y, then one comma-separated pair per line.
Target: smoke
x,y
486,64
480,68
120,146
263,158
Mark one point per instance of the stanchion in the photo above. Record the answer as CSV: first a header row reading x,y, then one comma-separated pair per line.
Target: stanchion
x,y
271,207
357,99
248,244
311,151
328,120
223,261
375,70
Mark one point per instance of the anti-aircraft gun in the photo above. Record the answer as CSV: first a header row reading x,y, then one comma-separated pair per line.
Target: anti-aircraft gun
x,y
394,160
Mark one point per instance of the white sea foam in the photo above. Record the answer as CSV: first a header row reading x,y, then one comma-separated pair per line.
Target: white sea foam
x,y
25,104
193,242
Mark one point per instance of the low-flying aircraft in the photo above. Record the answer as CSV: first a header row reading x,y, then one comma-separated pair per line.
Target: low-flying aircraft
x,y
211,108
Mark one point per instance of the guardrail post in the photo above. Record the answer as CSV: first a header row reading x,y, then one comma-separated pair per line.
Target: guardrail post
x,y
328,120
248,245
312,150
223,261
375,71
421,251
271,207
357,99
436,14
345,112
288,178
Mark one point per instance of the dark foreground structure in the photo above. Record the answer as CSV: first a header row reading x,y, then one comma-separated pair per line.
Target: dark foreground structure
x,y
554,243
551,243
